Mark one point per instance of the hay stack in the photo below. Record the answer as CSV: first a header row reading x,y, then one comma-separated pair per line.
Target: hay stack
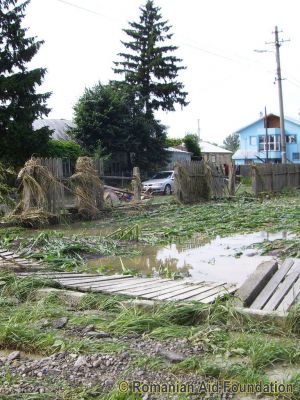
x,y
88,188
35,181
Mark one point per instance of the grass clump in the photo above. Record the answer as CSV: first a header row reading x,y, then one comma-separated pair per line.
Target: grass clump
x,y
293,319
21,336
265,351
133,320
295,381
186,314
101,302
22,288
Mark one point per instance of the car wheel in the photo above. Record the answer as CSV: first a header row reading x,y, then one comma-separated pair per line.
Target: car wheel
x,y
167,190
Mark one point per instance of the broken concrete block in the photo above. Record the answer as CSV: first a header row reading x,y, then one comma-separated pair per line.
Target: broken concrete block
x,y
251,288
71,297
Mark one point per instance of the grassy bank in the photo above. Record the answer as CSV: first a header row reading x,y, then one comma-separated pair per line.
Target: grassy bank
x,y
224,347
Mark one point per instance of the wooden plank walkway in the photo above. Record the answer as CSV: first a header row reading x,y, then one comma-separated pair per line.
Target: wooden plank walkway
x,y
144,288
282,290
275,290
12,261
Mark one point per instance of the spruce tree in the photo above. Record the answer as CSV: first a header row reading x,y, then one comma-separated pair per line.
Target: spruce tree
x,y
150,66
20,105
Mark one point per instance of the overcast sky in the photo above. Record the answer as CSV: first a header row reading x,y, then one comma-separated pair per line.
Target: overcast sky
x,y
228,83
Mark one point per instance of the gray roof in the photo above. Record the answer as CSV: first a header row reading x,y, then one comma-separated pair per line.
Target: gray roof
x,y
207,147
59,126
175,150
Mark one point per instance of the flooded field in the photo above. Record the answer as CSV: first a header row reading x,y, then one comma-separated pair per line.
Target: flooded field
x,y
227,259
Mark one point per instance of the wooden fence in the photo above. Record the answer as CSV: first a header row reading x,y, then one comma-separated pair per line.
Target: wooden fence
x,y
55,193
198,180
274,177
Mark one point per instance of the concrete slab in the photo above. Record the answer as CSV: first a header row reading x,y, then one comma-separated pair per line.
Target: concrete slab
x,y
69,296
250,289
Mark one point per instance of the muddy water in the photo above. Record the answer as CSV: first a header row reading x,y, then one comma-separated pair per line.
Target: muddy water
x,y
227,259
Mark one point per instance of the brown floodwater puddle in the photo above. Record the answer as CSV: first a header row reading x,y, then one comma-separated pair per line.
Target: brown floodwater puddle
x,y
223,259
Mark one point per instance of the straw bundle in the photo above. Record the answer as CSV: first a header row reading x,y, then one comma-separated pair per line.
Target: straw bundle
x,y
88,188
35,181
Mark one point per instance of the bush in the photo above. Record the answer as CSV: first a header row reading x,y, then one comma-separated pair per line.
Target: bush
x,y
63,149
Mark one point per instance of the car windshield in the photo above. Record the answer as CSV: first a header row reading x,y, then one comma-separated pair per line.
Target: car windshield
x,y
162,175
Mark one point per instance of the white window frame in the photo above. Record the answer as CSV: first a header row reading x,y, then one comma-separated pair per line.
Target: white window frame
x,y
296,156
273,143
291,139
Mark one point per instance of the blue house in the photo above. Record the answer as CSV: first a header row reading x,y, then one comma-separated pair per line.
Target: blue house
x,y
260,141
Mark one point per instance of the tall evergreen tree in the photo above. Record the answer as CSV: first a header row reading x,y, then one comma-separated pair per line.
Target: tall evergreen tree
x,y
108,115
20,105
150,66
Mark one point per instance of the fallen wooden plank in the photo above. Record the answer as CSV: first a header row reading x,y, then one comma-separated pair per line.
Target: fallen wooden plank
x,y
281,291
272,285
46,276
200,297
197,292
6,263
72,281
57,273
254,284
155,291
186,288
6,253
290,297
187,295
221,293
132,282
133,288
40,274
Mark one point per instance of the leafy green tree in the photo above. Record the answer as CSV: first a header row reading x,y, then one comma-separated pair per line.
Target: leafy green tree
x,y
232,142
149,66
20,105
173,142
107,115
191,142
63,149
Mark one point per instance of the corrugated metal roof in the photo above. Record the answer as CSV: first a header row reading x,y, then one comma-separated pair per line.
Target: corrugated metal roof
x,y
59,126
175,150
211,148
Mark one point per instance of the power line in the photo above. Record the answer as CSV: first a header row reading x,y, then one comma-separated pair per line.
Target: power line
x,y
86,9
238,60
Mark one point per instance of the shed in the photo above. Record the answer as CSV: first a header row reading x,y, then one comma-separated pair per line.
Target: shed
x,y
218,155
177,155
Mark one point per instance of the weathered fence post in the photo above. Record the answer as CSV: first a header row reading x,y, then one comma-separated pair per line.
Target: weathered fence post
x,y
136,184
254,180
231,181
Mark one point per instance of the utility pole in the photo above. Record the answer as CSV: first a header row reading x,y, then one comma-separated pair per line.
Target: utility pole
x,y
279,79
267,138
198,121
